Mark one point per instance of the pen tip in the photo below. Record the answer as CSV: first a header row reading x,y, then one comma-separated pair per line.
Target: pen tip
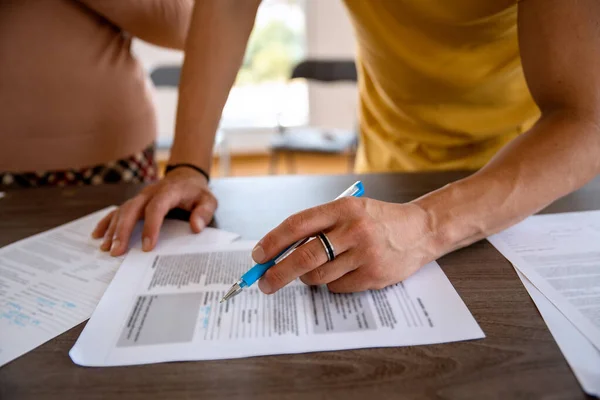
x,y
222,300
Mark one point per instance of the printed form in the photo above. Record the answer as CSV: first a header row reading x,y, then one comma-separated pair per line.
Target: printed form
x,y
165,307
557,257
581,355
52,281
560,255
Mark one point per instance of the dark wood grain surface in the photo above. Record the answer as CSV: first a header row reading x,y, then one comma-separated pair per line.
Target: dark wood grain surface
x,y
517,359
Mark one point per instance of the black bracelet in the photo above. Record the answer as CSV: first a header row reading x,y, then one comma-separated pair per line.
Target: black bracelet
x,y
171,167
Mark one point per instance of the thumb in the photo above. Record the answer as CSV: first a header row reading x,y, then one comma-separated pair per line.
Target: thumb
x,y
202,213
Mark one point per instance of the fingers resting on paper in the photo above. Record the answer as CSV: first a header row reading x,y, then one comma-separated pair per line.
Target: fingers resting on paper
x,y
182,188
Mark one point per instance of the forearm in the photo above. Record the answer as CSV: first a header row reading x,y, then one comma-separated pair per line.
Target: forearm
x,y
557,156
161,22
215,48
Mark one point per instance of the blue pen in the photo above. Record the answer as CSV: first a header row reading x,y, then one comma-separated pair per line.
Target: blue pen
x,y
259,270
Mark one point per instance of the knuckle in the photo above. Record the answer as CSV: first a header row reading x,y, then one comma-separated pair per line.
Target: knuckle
x,y
129,207
149,190
369,254
307,259
372,274
320,275
363,229
154,207
269,243
315,277
296,223
354,205
276,278
168,190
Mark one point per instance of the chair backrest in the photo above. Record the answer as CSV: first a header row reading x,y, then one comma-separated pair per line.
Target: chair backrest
x,y
166,76
317,70
326,70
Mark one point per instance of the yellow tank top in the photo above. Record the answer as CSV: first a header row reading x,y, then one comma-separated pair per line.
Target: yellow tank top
x,y
440,82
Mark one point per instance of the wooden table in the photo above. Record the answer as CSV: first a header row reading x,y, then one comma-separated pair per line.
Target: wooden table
x,y
517,359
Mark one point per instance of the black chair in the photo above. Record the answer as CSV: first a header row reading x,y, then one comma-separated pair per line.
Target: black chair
x,y
166,76
312,139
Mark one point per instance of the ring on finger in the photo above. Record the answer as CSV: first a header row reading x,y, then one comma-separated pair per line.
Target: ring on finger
x,y
329,249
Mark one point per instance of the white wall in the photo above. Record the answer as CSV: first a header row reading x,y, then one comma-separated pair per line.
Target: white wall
x,y
330,35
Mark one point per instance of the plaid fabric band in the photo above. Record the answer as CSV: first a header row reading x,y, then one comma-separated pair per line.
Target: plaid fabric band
x,y
138,168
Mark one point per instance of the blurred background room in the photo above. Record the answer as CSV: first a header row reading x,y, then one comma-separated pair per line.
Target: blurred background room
x,y
292,109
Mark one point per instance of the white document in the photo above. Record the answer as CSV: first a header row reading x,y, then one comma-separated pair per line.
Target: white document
x,y
560,255
165,307
581,355
52,281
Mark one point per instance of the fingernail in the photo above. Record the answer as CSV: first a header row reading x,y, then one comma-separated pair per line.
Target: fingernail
x,y
146,244
264,286
200,223
115,246
105,246
258,254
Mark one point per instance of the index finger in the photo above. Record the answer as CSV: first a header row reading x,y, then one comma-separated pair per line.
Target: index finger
x,y
298,226
155,212
129,214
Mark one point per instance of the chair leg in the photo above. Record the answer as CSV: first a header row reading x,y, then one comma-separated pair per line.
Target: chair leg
x,y
291,164
273,162
352,157
224,159
351,162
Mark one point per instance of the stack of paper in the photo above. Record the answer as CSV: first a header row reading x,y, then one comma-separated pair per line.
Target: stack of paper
x,y
53,281
165,307
557,256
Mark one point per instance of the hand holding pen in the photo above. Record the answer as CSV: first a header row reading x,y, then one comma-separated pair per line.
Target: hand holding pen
x,y
374,244
256,272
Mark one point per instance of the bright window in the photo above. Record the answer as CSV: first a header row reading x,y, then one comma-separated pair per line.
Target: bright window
x,y
261,95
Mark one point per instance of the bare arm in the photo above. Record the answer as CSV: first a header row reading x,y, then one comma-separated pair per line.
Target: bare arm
x,y
160,22
559,42
378,243
214,52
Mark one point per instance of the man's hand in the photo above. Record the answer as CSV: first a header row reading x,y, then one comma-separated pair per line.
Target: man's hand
x,y
183,188
376,244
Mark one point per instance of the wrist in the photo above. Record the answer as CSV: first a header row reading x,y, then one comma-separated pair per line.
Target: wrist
x,y
186,152
188,167
184,172
451,222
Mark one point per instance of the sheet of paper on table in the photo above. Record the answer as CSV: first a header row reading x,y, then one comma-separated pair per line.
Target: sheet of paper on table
x,y
52,281
581,355
557,256
165,307
560,255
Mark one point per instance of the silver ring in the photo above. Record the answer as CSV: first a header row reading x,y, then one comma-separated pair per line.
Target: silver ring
x,y
329,250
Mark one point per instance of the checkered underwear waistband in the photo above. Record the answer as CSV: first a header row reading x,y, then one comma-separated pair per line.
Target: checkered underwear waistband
x,y
137,168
